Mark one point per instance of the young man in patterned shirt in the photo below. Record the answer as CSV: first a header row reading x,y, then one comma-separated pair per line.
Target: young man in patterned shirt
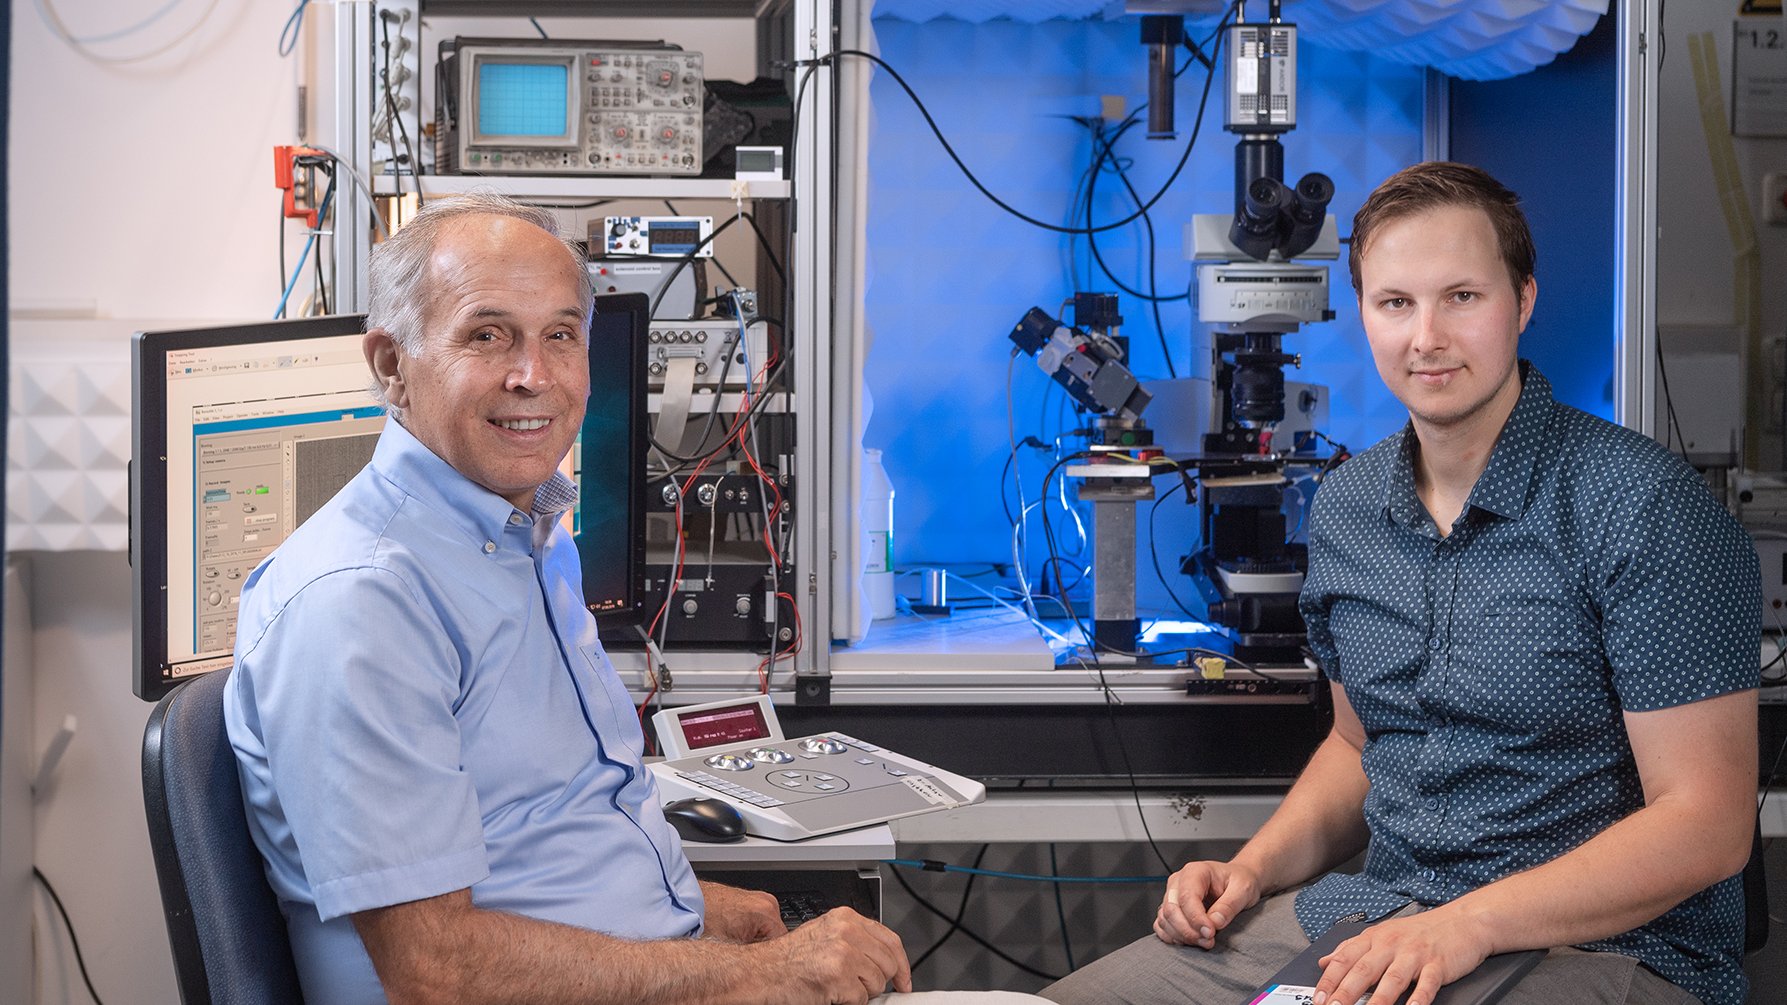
x,y
1541,632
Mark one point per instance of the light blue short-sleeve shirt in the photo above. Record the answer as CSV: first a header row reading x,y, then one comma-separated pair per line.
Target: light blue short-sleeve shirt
x,y
420,705
1590,574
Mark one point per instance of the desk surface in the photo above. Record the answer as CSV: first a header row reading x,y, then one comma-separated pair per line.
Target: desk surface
x,y
844,848
1032,815
975,657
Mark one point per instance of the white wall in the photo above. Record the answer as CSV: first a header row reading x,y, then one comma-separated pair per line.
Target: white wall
x,y
138,190
144,190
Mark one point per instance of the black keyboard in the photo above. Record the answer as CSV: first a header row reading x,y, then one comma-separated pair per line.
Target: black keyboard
x,y
802,906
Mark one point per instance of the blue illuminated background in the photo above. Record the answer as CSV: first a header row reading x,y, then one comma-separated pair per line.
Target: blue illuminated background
x,y
949,273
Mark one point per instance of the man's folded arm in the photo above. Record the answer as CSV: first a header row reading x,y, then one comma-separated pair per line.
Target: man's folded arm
x,y
446,949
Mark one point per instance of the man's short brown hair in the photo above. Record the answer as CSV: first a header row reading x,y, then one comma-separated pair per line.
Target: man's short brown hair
x,y
1436,184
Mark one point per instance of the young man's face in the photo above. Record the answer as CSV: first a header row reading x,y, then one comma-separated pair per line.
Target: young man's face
x,y
499,388
1442,316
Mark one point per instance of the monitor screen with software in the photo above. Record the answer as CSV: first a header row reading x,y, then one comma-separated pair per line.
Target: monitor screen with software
x,y
240,433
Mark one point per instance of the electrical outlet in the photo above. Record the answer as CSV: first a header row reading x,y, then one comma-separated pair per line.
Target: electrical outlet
x,y
1774,198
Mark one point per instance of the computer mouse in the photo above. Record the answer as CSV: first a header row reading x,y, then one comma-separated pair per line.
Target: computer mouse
x,y
702,819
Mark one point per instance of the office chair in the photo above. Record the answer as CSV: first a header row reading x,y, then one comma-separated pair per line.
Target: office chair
x,y
225,926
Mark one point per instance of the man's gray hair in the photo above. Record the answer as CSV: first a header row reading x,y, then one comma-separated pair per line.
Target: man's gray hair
x,y
398,284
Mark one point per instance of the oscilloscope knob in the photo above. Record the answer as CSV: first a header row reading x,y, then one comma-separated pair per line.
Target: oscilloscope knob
x,y
690,606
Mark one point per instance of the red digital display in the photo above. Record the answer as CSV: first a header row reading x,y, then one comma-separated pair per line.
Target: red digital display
x,y
718,726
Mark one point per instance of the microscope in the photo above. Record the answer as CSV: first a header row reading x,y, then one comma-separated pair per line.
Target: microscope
x,y
1247,572
1087,360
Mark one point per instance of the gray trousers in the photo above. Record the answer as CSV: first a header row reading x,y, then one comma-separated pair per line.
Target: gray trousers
x,y
1248,952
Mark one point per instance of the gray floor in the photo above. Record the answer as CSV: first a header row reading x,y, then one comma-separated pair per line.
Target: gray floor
x,y
1023,921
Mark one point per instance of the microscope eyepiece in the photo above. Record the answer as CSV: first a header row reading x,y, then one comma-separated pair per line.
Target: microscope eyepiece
x,y
1256,227
1304,216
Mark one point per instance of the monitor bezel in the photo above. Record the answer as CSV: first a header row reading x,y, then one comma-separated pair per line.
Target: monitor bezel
x,y
148,474
638,307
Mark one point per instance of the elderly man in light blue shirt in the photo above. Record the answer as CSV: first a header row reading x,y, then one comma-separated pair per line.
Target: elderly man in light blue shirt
x,y
441,768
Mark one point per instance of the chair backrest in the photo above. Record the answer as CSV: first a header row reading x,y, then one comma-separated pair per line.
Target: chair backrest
x,y
228,935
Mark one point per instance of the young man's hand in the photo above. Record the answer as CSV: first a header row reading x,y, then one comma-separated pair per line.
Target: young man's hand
x,y
1202,899
1425,952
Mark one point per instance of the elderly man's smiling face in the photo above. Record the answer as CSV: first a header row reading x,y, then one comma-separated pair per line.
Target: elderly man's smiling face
x,y
499,387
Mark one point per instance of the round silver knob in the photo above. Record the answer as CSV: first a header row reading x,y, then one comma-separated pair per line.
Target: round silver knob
x,y
821,745
731,762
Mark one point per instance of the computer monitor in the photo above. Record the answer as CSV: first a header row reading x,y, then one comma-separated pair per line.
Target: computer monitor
x,y
240,433
610,459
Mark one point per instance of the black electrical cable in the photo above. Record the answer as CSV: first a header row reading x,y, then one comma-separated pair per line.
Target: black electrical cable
x,y
327,242
409,148
1768,782
955,924
73,940
1010,456
1154,550
1105,149
1061,911
1780,655
322,290
800,93
687,259
1152,297
768,252
1669,404
591,204
749,415
983,943
1002,204
1104,686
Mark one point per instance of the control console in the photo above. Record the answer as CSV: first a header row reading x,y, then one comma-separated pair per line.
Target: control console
x,y
788,789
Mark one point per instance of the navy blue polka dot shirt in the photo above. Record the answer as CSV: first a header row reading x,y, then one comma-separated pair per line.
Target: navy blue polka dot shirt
x,y
1590,573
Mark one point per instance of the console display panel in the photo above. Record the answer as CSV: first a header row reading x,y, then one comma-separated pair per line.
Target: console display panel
x,y
716,727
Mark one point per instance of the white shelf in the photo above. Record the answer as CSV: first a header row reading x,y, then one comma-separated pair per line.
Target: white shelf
x,y
526,187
